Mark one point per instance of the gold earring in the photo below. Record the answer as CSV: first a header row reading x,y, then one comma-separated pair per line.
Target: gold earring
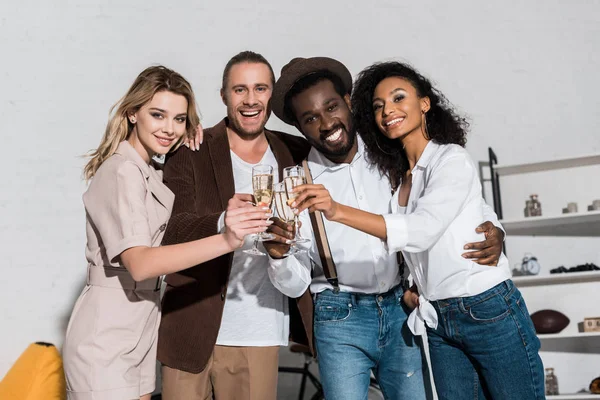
x,y
132,120
425,131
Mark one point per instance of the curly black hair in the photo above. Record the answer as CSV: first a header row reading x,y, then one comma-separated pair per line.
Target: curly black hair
x,y
444,125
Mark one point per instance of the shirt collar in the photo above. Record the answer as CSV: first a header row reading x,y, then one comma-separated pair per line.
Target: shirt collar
x,y
427,154
318,163
126,150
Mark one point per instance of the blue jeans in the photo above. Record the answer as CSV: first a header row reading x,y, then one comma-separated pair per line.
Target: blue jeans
x,y
485,347
359,333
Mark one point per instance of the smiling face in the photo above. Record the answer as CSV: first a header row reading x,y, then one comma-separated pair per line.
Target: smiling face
x,y
158,124
324,117
247,95
398,109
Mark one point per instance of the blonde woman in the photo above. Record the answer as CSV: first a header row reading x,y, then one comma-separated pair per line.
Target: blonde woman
x,y
110,347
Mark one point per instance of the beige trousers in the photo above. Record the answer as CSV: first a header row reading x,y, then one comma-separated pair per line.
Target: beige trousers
x,y
232,373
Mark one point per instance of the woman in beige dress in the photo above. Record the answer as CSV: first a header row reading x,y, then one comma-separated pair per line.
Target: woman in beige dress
x,y
110,346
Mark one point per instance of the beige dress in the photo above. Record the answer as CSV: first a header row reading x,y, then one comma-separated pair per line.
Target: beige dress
x,y
110,347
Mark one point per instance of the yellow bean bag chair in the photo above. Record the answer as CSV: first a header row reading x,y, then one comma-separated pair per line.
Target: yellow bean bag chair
x,y
36,375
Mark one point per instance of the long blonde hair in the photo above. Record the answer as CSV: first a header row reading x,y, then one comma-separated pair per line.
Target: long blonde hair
x,y
146,85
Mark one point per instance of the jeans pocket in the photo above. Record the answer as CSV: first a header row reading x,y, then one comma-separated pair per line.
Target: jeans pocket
x,y
490,309
520,302
331,312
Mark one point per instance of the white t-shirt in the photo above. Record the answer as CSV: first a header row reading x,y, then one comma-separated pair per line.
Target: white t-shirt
x,y
255,313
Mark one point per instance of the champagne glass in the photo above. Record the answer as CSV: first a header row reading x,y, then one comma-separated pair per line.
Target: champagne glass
x,y
292,177
284,212
262,187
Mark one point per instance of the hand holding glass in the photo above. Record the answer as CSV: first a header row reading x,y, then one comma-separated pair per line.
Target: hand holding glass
x,y
285,213
262,187
292,177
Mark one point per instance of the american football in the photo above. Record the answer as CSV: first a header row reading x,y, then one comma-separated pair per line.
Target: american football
x,y
549,321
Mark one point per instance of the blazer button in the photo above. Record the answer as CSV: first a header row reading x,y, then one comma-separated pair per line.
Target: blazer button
x,y
222,296
162,227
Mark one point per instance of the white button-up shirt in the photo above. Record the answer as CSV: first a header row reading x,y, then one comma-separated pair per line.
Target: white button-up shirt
x,y
363,263
444,207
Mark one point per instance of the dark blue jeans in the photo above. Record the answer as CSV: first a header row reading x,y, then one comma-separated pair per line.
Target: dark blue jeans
x,y
485,347
359,333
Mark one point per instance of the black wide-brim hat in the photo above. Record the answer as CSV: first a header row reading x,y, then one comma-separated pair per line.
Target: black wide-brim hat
x,y
298,68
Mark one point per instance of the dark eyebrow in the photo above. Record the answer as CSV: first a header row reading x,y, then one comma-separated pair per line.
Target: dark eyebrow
x,y
304,114
165,112
392,92
326,102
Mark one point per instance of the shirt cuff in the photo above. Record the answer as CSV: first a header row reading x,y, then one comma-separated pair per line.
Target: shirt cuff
x,y
221,223
286,277
397,232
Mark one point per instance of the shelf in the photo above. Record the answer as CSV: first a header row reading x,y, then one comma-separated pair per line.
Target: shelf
x,y
574,396
583,161
577,342
575,335
557,279
574,224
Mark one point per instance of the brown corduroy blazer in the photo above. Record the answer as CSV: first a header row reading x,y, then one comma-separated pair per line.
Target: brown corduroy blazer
x,y
202,181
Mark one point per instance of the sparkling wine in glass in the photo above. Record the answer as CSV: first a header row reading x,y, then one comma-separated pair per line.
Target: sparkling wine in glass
x,y
292,177
282,207
262,188
285,212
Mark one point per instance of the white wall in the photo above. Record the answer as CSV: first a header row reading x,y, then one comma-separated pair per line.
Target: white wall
x,y
525,72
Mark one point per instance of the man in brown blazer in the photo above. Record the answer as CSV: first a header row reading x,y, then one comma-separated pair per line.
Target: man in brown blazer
x,y
223,321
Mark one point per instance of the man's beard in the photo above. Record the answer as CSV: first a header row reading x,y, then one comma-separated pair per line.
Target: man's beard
x,y
235,126
338,153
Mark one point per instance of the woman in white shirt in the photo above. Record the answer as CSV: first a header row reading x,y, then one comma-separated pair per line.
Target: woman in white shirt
x,y
482,342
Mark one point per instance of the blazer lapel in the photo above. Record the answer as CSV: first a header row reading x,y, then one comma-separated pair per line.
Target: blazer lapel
x,y
218,148
159,190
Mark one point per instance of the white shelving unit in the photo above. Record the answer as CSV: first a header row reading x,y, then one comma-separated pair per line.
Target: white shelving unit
x,y
575,224
582,161
569,344
557,279
578,342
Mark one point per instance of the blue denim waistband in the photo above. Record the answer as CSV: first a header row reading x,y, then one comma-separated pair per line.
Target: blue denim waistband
x,y
392,295
504,289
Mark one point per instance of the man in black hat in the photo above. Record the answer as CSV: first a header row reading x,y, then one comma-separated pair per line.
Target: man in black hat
x,y
359,327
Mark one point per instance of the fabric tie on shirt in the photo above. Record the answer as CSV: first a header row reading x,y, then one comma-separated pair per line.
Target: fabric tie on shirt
x,y
423,314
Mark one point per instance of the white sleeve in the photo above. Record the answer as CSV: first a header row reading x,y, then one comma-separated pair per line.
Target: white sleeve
x,y
221,223
490,215
292,275
444,197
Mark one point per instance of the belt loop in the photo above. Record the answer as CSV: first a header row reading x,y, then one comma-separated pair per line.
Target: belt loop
x,y
89,271
353,300
399,290
461,305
